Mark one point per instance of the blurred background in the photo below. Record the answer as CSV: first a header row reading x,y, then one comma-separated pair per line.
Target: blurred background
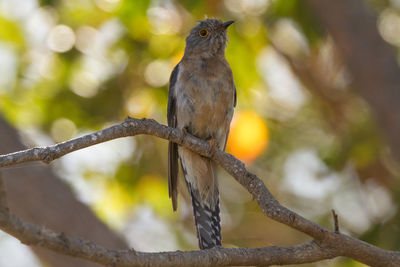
x,y
68,68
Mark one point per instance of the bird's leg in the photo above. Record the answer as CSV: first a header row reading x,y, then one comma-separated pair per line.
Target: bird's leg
x,y
211,146
183,134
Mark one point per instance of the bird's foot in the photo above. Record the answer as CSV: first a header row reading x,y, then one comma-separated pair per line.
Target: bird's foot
x,y
211,147
183,134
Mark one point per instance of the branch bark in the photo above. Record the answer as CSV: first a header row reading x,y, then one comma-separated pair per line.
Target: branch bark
x,y
326,244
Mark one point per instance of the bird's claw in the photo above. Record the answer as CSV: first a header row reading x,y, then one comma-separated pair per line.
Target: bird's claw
x,y
211,147
183,134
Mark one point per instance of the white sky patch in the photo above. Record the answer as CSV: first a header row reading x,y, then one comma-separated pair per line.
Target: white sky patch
x,y
359,205
283,86
14,254
108,5
352,210
96,42
147,233
289,38
379,202
249,7
99,62
164,18
8,67
110,32
84,84
17,9
98,67
38,25
306,175
157,73
103,158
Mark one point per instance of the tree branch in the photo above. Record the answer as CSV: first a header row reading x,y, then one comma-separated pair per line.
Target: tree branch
x,y
326,244
30,234
335,221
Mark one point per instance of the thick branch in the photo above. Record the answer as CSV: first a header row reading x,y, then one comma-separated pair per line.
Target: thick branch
x,y
329,243
34,235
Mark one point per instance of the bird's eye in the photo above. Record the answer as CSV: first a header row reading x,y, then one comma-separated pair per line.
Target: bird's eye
x,y
203,32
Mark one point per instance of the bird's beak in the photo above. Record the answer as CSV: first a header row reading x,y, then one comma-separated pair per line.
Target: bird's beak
x,y
227,23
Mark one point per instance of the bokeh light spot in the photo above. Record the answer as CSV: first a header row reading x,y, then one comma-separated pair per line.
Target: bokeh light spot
x,y
249,7
248,136
61,38
389,26
8,67
164,18
62,129
140,104
108,5
157,73
86,38
84,84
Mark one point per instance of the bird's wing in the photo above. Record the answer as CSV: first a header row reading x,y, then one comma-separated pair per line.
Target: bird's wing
x,y
172,147
234,105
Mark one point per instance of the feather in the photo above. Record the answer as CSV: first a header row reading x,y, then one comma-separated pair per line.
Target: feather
x,y
172,147
206,214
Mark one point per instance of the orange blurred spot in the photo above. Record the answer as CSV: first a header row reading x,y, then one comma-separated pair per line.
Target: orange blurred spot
x,y
176,58
248,136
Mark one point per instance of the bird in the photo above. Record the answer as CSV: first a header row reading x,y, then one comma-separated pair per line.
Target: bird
x,y
201,102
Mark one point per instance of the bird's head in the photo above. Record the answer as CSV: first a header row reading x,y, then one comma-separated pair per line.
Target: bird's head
x,y
207,38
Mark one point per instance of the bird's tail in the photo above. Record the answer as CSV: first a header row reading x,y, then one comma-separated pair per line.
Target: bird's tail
x,y
200,177
208,223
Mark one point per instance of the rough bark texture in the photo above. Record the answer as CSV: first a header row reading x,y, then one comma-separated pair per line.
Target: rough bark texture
x,y
370,60
38,196
328,244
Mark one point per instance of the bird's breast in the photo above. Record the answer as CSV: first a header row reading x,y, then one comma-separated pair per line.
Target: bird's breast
x,y
205,99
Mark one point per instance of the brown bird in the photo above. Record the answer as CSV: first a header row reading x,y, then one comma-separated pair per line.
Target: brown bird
x,y
201,99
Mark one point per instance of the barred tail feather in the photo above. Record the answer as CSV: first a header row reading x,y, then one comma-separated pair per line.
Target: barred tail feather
x,y
205,211
207,222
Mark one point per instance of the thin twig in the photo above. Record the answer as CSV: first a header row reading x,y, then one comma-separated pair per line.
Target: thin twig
x,y
336,221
